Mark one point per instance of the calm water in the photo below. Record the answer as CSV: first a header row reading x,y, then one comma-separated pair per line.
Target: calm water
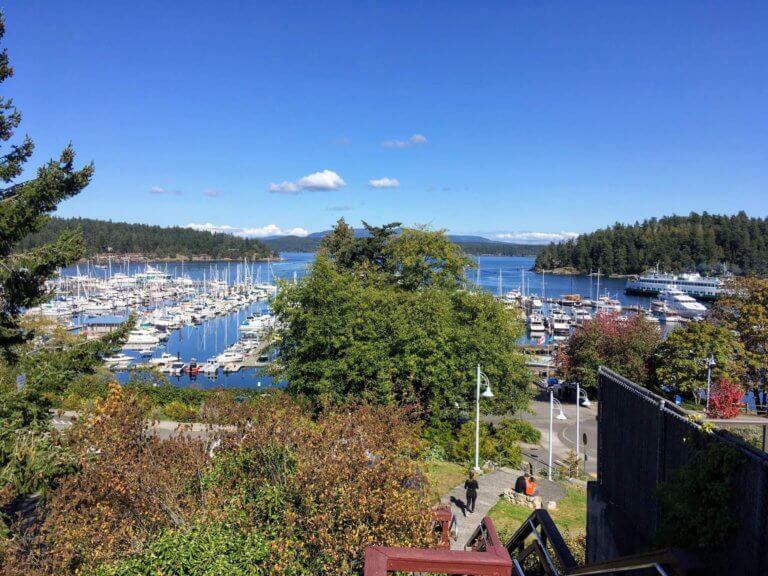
x,y
495,274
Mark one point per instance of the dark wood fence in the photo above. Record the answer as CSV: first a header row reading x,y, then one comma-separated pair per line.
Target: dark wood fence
x,y
644,440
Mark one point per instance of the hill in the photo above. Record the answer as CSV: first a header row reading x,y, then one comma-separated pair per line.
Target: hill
x,y
476,245
702,242
118,238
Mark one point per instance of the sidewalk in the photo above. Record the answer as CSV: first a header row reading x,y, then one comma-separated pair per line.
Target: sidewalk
x,y
492,486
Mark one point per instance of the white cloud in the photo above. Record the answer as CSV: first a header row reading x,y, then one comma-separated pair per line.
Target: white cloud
x,y
268,230
157,190
213,193
324,181
535,237
415,140
384,183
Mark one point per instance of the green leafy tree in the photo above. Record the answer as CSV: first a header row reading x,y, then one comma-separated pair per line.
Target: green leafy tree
x,y
681,360
365,331
743,309
24,209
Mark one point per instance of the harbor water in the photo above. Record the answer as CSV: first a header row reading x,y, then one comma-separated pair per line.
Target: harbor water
x,y
496,274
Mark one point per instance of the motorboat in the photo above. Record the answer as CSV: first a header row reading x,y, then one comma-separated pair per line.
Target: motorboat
x,y
536,322
210,367
560,321
174,368
164,358
118,358
677,302
607,304
229,357
141,338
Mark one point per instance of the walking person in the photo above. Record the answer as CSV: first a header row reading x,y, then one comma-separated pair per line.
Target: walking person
x,y
471,487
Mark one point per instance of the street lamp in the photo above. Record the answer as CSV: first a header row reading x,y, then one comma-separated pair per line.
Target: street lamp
x,y
560,416
486,394
710,364
586,403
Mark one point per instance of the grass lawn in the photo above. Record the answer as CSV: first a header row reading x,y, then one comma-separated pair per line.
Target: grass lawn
x,y
444,476
571,514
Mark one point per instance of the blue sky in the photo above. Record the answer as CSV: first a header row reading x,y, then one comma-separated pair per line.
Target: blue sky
x,y
508,119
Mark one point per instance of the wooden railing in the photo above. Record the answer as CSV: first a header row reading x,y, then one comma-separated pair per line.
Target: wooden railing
x,y
488,557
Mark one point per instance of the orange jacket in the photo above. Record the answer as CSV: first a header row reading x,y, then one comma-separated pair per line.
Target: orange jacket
x,y
530,488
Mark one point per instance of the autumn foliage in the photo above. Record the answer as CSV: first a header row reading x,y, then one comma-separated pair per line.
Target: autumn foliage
x,y
293,492
623,344
725,400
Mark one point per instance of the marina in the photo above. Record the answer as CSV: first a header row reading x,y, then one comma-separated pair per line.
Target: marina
x,y
208,324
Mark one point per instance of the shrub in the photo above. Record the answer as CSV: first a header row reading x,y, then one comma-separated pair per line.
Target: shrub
x,y
180,412
507,443
463,448
725,400
208,550
522,430
697,503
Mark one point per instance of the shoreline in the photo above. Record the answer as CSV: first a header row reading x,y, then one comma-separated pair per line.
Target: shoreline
x,y
136,258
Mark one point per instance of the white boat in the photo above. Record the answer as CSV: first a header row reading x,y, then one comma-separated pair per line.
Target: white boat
x,y
141,338
209,367
117,358
675,301
174,368
164,358
560,321
581,315
653,283
535,322
607,304
229,357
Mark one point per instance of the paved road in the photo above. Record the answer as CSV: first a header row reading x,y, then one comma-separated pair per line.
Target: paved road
x,y
163,429
492,486
564,431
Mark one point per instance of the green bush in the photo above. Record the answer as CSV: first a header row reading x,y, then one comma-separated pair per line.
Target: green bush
x,y
697,503
212,550
33,462
507,443
521,430
180,412
463,448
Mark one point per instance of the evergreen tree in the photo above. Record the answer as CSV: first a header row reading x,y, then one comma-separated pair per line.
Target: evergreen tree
x,y
676,243
24,209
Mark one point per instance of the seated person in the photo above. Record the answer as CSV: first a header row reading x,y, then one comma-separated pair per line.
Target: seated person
x,y
531,489
522,483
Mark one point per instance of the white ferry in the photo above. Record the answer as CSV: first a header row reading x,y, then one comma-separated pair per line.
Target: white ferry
x,y
696,285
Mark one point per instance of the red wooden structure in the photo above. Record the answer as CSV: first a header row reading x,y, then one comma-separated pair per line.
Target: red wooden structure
x,y
488,557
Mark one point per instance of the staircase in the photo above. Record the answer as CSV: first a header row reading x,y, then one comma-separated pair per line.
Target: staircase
x,y
536,549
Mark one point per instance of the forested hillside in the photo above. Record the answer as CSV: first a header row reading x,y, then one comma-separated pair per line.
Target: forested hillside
x,y
474,245
151,241
676,243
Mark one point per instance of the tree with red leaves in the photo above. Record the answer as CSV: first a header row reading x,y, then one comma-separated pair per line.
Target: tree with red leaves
x,y
617,342
725,400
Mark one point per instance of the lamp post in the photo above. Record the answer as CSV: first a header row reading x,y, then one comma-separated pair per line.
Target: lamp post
x,y
486,394
586,403
710,364
560,416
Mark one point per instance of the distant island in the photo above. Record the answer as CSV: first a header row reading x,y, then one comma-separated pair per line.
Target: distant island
x,y
475,245
702,242
143,241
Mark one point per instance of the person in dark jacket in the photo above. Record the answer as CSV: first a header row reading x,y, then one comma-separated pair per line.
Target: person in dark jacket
x,y
471,487
522,483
